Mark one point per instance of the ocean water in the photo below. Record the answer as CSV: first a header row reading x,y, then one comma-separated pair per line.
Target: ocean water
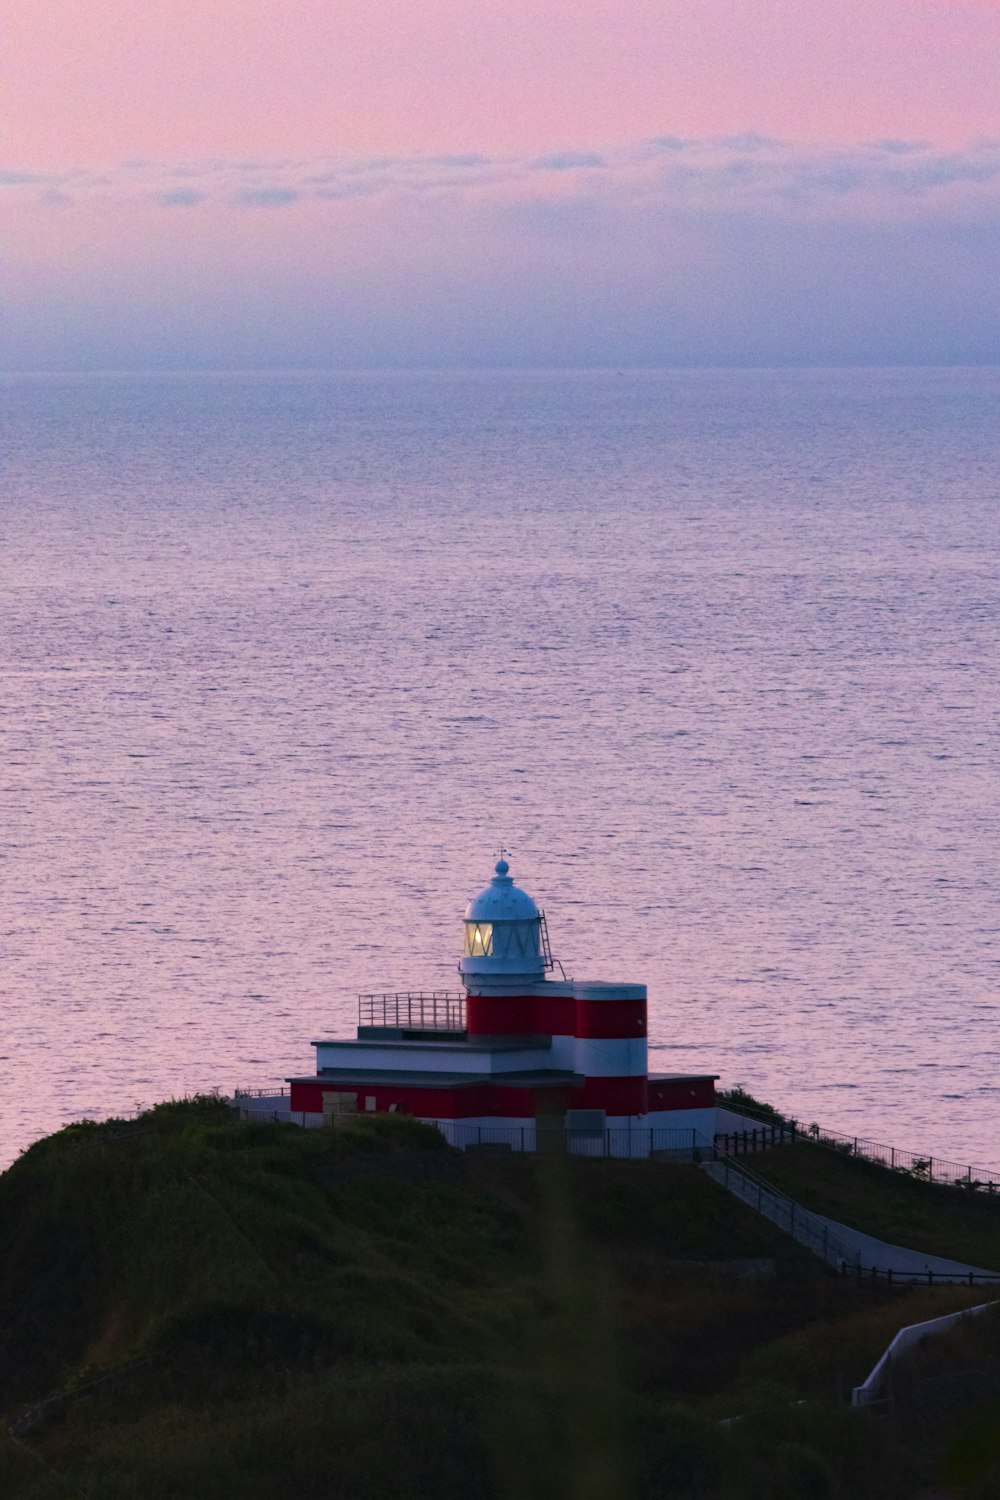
x,y
284,660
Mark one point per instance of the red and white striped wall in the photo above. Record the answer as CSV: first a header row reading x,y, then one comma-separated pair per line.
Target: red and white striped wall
x,y
592,1033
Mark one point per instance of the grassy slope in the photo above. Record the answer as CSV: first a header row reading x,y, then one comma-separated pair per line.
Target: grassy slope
x,y
213,1308
939,1220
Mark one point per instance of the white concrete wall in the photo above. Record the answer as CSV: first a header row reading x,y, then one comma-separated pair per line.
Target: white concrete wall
x,y
908,1338
701,1120
728,1122
611,1057
623,1135
411,1057
614,1057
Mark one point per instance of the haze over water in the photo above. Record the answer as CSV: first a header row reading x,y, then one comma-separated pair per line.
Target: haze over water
x,y
285,659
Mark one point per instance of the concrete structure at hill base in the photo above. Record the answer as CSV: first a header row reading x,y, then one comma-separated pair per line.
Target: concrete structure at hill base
x,y
516,1054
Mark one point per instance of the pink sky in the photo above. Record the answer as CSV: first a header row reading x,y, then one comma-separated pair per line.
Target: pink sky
x,y
92,83
232,114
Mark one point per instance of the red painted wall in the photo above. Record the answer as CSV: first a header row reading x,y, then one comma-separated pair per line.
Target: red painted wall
x,y
618,1096
681,1093
520,1015
610,1019
553,1015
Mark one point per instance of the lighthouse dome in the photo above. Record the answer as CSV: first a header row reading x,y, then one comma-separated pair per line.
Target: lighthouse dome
x,y
504,934
502,900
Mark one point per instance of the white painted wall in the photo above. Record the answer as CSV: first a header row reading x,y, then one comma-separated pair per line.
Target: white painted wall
x,y
728,1121
624,1057
411,1057
702,1120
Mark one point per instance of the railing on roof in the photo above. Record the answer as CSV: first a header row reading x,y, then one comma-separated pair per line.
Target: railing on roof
x,y
414,1010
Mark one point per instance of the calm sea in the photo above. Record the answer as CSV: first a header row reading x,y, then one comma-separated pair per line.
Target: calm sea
x,y
284,660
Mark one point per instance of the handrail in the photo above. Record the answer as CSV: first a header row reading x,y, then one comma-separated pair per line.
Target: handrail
x,y
414,1010
801,1223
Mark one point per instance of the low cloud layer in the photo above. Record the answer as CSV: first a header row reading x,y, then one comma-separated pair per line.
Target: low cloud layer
x,y
734,171
742,249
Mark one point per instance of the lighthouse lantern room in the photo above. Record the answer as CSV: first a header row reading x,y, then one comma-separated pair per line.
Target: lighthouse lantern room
x,y
505,935
514,1047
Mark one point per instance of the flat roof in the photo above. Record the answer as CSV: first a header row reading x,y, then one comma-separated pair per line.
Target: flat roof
x,y
683,1077
441,1079
457,1040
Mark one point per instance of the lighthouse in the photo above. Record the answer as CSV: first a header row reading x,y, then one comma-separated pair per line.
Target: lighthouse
x,y
516,1054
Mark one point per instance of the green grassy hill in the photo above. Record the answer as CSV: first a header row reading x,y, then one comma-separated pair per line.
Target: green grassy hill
x,y
196,1309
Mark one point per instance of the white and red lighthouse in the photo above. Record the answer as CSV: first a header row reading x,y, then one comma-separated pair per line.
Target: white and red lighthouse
x,y
517,1046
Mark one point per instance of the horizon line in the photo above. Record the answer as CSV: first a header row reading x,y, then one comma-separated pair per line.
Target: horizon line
x,y
688,367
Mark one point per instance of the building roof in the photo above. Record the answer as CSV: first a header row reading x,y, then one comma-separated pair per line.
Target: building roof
x,y
446,1041
683,1077
538,1078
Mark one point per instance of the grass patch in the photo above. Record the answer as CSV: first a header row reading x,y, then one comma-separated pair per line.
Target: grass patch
x,y
194,1306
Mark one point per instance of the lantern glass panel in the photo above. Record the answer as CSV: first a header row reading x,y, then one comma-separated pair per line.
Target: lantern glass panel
x,y
478,939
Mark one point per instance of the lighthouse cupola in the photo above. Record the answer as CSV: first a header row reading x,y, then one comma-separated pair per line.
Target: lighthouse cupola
x,y
505,939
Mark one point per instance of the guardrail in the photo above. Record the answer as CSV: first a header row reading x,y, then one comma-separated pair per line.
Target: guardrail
x,y
920,1166
414,1010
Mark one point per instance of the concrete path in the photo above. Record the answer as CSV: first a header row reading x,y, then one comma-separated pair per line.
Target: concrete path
x,y
837,1244
885,1257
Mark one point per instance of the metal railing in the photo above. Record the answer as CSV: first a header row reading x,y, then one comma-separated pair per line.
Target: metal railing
x,y
414,1010
638,1143
892,1277
918,1165
762,1138
299,1117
